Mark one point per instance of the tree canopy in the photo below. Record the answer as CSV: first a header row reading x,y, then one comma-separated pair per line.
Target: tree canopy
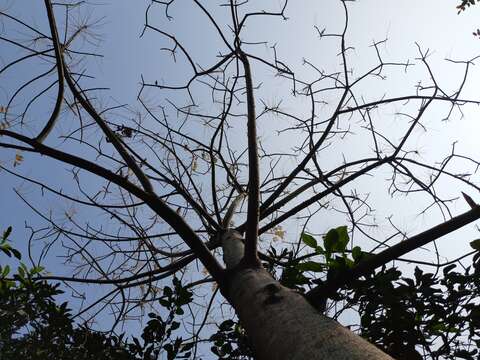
x,y
253,148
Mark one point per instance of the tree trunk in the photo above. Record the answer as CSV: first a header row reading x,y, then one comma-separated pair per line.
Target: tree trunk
x,y
281,323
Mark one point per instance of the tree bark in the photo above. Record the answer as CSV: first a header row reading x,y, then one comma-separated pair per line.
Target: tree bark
x,y
282,325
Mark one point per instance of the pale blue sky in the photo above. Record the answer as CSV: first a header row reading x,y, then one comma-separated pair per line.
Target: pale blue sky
x,y
433,24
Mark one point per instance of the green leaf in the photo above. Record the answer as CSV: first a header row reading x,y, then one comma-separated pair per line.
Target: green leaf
x,y
319,250
226,325
338,263
164,303
356,253
6,233
349,263
21,272
309,240
179,311
167,291
6,249
448,268
16,253
36,270
6,270
336,240
438,328
475,244
343,237
330,239
310,266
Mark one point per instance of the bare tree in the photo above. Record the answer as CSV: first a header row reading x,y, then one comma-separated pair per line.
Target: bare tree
x,y
210,165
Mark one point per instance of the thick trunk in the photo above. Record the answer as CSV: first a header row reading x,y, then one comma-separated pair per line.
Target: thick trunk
x,y
281,324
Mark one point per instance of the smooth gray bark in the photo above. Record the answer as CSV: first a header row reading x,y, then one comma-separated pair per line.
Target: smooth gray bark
x,y
282,325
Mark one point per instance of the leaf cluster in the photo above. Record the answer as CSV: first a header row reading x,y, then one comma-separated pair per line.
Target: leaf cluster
x,y
424,316
465,4
35,327
230,342
157,334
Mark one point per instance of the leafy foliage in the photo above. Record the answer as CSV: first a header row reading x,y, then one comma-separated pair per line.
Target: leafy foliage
x,y
463,6
172,193
426,316
34,327
230,342
421,317
157,335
